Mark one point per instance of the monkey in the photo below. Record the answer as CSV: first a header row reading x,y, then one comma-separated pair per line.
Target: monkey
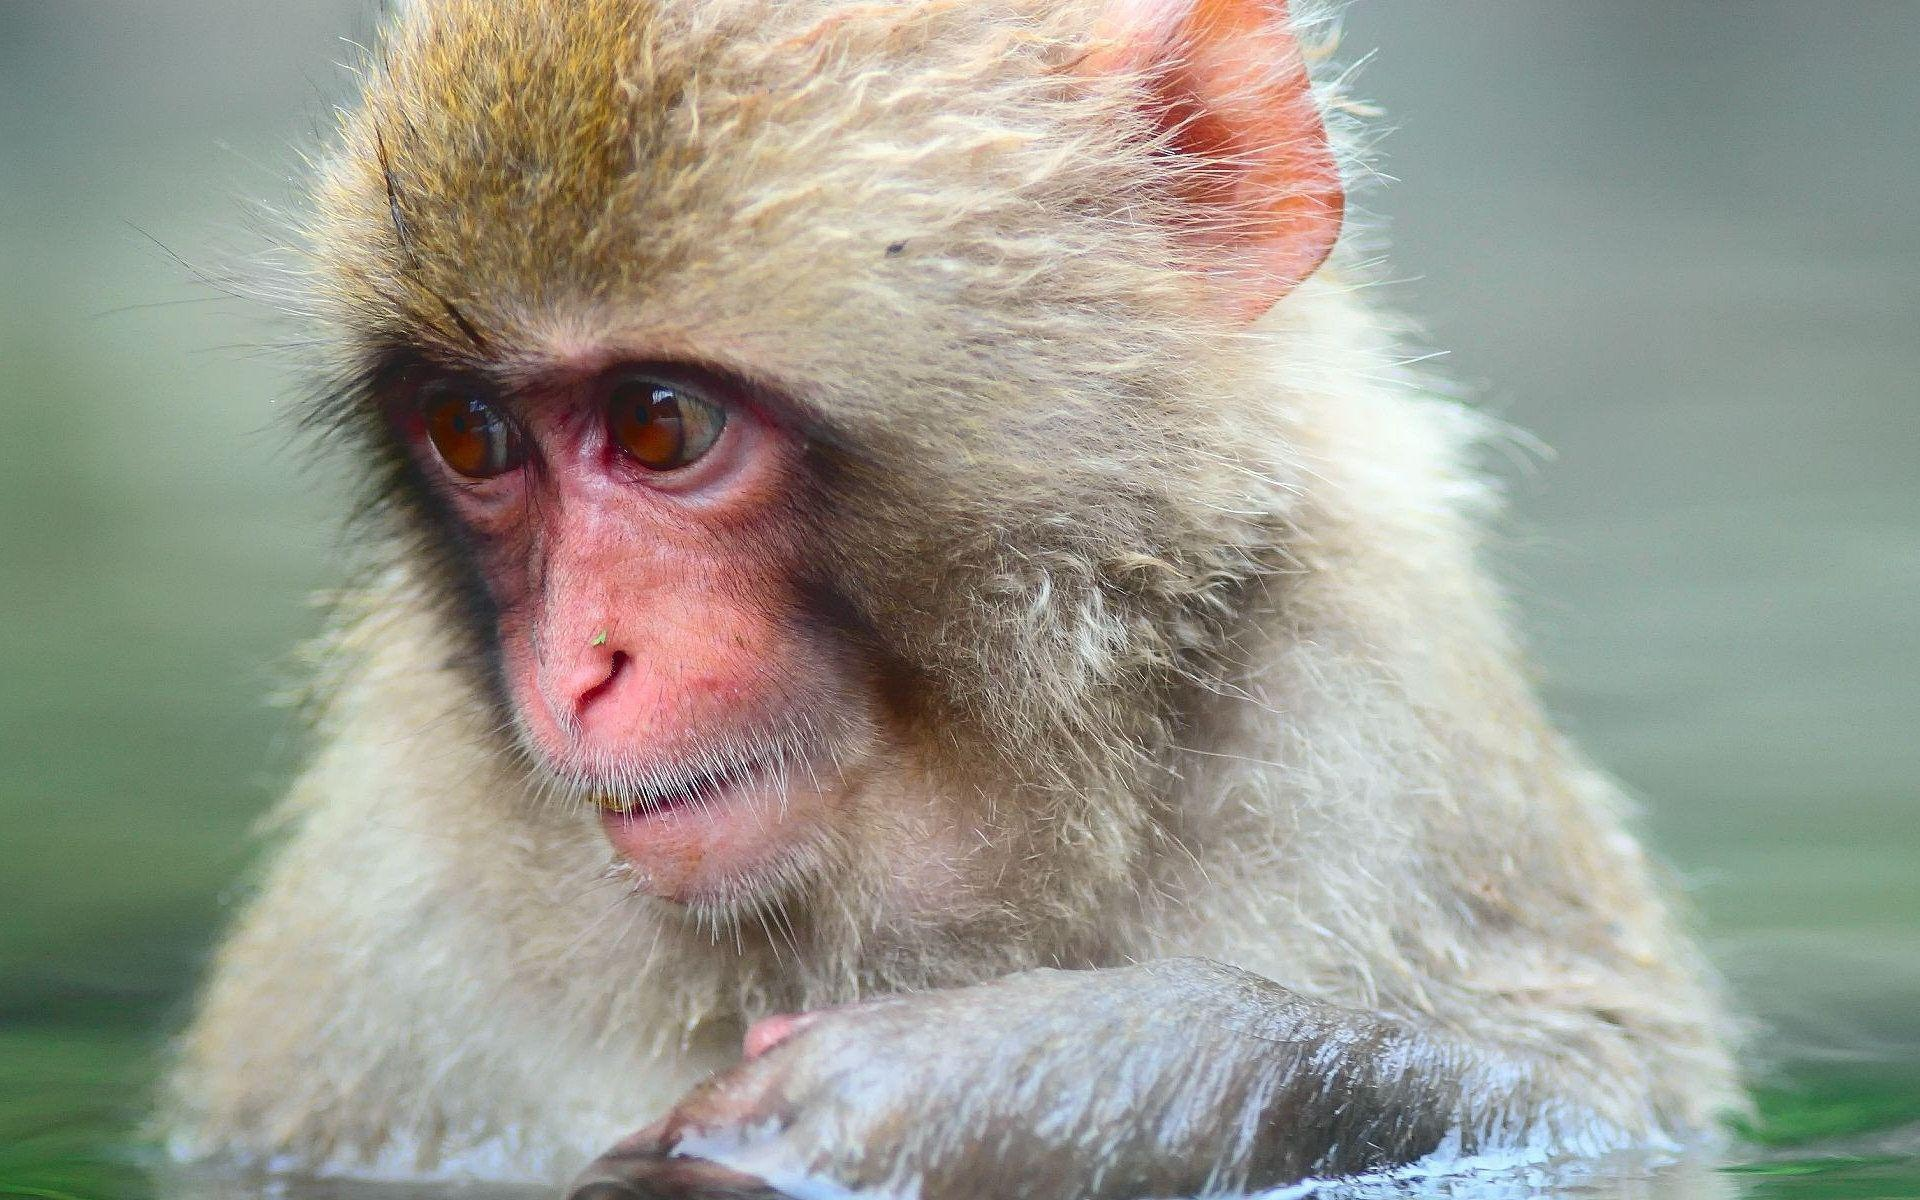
x,y
916,633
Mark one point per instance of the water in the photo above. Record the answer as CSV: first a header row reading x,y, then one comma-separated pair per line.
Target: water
x,y
1676,242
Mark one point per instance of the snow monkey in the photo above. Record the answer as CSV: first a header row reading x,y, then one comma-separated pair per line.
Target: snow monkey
x,y
917,637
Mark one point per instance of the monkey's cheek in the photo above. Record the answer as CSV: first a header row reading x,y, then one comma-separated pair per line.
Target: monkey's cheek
x,y
737,846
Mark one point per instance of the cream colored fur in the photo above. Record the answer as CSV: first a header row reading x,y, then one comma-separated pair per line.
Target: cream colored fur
x,y
1222,674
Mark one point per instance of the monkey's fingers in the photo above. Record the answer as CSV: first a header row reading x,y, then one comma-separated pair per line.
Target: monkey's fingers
x,y
768,1032
635,1175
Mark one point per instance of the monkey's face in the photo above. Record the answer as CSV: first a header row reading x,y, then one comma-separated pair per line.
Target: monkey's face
x,y
827,412
632,527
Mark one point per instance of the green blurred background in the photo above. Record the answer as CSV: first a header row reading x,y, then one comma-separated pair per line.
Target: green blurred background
x,y
1678,242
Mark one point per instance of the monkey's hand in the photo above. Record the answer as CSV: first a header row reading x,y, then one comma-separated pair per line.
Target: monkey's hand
x,y
1169,1079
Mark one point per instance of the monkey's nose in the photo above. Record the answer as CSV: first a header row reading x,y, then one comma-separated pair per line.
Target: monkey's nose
x,y
619,1176
588,682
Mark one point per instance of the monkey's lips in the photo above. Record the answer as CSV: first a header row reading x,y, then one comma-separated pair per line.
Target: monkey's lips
x,y
708,834
696,788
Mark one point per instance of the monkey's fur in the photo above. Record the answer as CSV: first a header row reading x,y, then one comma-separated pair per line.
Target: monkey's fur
x,y
1186,648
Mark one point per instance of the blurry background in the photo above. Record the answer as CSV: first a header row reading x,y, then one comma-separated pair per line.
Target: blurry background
x,y
1677,242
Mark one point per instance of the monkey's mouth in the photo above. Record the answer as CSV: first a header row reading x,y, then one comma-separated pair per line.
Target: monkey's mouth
x,y
712,834
699,788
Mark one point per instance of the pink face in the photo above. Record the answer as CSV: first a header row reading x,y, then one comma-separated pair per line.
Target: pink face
x,y
633,526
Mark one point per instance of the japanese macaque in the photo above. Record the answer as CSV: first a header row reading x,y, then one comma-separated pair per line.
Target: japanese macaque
x,y
918,638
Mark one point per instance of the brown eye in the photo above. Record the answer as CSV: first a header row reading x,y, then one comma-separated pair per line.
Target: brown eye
x,y
472,437
663,426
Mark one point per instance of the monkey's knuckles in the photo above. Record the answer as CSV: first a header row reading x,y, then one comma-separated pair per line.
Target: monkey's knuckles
x,y
799,1073
843,1096
857,1094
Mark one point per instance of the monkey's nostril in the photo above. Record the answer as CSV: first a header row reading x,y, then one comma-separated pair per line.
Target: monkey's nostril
x,y
616,666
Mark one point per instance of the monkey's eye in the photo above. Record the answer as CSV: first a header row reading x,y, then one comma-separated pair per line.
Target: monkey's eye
x,y
663,426
471,436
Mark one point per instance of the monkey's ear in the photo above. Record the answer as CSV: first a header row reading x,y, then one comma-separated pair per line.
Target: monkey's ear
x,y
1256,184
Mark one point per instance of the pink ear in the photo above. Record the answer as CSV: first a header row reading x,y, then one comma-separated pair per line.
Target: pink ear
x,y
1228,87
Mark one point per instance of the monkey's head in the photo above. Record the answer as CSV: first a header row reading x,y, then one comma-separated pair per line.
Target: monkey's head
x,y
830,421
